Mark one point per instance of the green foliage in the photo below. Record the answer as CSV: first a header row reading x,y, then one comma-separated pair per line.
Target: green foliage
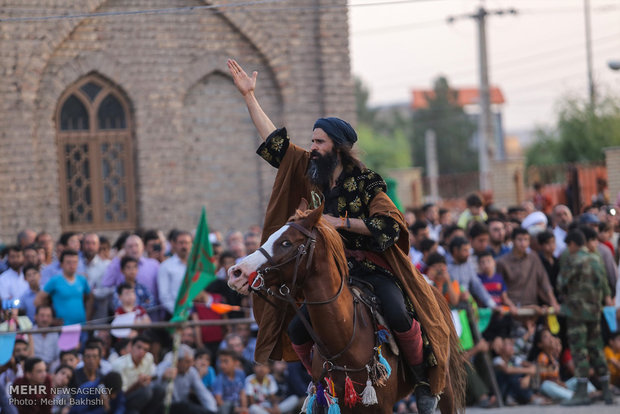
x,y
381,152
580,134
382,140
453,131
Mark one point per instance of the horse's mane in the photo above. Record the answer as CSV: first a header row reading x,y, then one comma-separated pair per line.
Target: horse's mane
x,y
331,238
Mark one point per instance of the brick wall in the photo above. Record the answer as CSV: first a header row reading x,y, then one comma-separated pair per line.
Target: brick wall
x,y
194,142
507,182
612,161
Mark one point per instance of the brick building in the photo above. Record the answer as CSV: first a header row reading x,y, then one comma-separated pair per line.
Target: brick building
x,y
118,121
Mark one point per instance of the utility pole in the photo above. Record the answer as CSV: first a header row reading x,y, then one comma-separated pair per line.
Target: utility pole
x,y
591,90
432,168
486,136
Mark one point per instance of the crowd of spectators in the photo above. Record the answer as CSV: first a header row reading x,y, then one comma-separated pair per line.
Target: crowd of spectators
x,y
509,260
84,279
525,264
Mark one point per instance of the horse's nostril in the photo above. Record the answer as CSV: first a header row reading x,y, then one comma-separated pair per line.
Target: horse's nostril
x,y
237,273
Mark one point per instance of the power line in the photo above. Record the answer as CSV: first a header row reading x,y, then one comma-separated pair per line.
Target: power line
x,y
175,10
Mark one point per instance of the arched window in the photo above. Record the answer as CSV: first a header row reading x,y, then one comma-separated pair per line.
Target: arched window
x,y
94,130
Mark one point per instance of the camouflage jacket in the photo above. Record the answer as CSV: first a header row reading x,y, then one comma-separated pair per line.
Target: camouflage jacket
x,y
583,284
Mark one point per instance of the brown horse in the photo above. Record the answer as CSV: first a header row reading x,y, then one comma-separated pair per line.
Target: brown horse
x,y
305,258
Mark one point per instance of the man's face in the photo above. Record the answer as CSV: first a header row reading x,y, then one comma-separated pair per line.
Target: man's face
x,y
130,271
188,337
46,241
321,143
20,350
69,265
134,247
480,243
31,256
235,344
43,317
461,254
592,245
38,374
91,245
185,363
521,243
562,217
15,260
549,247
139,350
33,277
497,233
74,243
183,245
91,359
252,243
432,213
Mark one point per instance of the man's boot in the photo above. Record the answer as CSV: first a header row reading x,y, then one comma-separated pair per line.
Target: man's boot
x,y
410,343
580,397
304,352
424,399
607,395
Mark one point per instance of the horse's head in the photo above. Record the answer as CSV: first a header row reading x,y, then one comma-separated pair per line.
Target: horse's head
x,y
282,250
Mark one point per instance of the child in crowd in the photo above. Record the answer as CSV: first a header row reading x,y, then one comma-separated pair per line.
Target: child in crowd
x,y
612,354
514,375
548,349
260,389
493,282
26,302
229,384
202,363
129,269
438,276
127,298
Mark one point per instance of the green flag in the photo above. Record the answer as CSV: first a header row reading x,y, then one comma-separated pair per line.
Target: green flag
x,y
199,273
391,192
461,325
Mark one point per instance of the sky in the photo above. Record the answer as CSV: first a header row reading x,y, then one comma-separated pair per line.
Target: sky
x,y
536,57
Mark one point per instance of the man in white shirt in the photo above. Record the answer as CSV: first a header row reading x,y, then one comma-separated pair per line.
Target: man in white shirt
x,y
562,217
12,282
137,369
95,268
171,272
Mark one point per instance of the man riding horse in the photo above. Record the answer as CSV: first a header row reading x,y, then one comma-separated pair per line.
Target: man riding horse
x,y
374,234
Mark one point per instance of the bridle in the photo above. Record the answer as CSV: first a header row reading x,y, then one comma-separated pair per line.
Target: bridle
x,y
287,294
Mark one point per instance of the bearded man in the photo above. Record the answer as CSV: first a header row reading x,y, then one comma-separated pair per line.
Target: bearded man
x,y
374,235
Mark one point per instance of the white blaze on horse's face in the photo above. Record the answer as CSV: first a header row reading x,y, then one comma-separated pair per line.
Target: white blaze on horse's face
x,y
238,274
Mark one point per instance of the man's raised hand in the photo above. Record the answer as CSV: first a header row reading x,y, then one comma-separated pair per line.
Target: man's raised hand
x,y
243,82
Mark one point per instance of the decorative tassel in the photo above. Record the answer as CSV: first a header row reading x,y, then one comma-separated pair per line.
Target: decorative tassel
x,y
377,373
383,361
369,395
320,395
331,389
350,396
382,334
334,408
308,404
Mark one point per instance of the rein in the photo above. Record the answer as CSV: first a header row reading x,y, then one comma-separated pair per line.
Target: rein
x,y
286,294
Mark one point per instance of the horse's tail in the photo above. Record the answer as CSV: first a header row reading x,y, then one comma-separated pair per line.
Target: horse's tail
x,y
457,363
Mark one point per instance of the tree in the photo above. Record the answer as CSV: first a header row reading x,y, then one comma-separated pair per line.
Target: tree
x,y
580,133
382,139
453,130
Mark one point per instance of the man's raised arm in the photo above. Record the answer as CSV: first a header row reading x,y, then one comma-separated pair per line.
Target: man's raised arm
x,y
246,86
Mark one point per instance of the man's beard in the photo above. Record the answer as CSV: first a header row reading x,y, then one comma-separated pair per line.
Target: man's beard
x,y
322,168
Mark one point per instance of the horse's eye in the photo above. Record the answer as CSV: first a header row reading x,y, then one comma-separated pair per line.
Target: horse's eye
x,y
286,243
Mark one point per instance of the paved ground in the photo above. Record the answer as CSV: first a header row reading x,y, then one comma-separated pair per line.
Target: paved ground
x,y
597,408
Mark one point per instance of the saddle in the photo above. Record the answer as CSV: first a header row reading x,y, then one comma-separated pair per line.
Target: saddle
x,y
364,292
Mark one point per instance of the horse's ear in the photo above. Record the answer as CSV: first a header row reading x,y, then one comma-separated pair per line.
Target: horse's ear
x,y
315,215
303,204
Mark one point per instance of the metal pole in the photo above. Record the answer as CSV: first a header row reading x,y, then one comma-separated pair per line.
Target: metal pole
x,y
432,168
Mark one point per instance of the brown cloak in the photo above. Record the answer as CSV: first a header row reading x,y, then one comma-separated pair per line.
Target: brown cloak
x,y
289,187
